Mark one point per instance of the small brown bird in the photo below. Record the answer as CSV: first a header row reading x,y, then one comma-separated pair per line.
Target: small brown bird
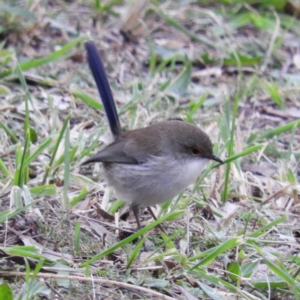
x,y
150,165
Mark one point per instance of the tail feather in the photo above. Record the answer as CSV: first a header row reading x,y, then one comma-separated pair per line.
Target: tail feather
x,y
97,68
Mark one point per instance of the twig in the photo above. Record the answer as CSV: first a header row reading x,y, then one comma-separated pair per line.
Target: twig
x,y
94,280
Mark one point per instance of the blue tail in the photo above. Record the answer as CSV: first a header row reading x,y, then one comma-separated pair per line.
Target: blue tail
x,y
101,80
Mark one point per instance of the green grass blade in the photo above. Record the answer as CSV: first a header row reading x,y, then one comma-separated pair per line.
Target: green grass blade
x,y
181,28
135,252
54,151
180,84
274,132
244,153
13,138
17,11
7,215
60,54
267,227
229,159
3,169
66,166
78,198
281,272
5,292
232,243
87,99
273,91
44,145
131,238
230,148
279,130
77,237
22,172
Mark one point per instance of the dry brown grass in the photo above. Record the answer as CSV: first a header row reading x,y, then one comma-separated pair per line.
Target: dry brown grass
x,y
145,49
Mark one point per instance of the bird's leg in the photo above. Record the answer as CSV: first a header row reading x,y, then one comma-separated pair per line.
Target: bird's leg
x,y
154,218
135,209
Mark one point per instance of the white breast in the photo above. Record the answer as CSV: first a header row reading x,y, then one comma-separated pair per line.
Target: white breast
x,y
156,181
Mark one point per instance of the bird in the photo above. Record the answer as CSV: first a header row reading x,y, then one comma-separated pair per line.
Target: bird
x,y
149,165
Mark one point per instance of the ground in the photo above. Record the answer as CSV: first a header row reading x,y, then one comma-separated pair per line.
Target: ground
x,y
230,68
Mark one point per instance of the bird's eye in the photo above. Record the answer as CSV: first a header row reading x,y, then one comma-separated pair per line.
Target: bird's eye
x,y
195,151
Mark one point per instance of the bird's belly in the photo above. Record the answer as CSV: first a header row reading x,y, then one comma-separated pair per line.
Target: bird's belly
x,y
153,182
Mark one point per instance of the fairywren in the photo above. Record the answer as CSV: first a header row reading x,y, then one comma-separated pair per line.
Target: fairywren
x,y
150,165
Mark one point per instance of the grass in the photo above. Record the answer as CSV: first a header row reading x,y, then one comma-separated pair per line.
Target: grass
x,y
225,66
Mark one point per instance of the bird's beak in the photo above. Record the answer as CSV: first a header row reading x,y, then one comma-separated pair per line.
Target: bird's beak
x,y
215,158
